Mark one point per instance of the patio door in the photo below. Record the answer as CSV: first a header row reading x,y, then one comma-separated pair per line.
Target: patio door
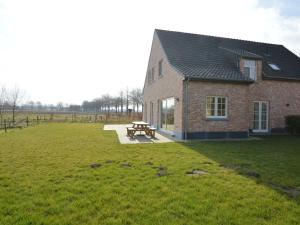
x,y
167,114
260,116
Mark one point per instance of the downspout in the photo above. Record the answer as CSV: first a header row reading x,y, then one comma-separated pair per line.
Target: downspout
x,y
186,106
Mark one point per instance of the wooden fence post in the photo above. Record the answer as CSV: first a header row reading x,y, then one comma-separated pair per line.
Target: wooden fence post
x,y
5,128
27,121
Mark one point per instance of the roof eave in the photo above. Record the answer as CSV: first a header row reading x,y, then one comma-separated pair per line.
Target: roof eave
x,y
266,77
220,80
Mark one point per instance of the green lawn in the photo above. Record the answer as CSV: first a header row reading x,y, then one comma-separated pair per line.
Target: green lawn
x,y
46,178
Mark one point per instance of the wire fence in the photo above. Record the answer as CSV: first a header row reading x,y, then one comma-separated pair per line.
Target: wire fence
x,y
32,119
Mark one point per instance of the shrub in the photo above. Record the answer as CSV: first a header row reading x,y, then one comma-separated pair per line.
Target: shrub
x,y
292,123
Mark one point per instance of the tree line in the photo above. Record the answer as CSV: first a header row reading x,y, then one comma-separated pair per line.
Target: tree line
x,y
127,101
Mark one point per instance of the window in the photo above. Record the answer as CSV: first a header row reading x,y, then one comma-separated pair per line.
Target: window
x,y
250,69
150,75
160,68
273,66
216,107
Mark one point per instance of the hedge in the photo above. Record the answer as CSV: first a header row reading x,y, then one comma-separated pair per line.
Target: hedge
x,y
292,123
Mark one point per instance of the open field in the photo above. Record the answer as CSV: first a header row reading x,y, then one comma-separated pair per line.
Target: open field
x,y
46,178
30,118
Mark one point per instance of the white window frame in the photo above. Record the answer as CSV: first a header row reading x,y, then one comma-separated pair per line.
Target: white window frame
x,y
259,129
252,65
216,107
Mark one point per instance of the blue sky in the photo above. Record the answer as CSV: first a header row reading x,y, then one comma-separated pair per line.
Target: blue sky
x,y
72,50
288,8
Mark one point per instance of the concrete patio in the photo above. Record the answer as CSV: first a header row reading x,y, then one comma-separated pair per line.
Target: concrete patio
x,y
138,139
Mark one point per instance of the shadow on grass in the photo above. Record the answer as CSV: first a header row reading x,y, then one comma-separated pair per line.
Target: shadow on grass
x,y
272,161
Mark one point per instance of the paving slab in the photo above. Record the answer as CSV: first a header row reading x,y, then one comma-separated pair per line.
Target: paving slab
x,y
139,139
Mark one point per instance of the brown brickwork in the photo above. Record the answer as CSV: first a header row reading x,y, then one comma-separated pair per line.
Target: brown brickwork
x,y
283,98
166,86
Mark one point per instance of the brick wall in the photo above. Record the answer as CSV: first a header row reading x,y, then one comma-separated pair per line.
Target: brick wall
x,y
278,94
166,86
283,98
237,119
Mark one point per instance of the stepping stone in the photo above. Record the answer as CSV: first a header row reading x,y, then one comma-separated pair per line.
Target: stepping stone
x,y
196,172
126,165
95,165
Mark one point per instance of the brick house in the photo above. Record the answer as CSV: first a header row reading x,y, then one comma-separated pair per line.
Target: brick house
x,y
200,86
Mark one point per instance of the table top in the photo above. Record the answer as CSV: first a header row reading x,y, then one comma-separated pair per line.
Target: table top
x,y
139,123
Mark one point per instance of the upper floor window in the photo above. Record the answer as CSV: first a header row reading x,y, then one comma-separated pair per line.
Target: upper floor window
x,y
250,68
216,107
150,75
160,67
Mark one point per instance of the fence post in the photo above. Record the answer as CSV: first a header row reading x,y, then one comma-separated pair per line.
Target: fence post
x,y
37,119
5,128
27,121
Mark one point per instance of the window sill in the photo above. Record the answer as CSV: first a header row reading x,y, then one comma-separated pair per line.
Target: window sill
x,y
216,119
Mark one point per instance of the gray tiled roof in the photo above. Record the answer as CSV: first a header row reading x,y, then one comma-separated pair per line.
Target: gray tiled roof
x,y
215,58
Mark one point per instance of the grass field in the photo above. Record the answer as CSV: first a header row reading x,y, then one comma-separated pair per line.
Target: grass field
x,y
46,178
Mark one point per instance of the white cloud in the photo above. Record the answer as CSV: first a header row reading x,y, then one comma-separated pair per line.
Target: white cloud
x,y
74,50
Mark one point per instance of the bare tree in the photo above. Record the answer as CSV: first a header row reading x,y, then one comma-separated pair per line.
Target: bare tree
x,y
136,98
117,103
15,97
127,100
121,97
3,100
107,100
60,106
139,98
98,104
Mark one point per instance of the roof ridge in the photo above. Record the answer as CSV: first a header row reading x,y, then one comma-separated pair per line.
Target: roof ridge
x,y
206,35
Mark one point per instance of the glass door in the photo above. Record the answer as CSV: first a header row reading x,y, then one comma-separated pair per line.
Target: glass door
x,y
167,114
260,117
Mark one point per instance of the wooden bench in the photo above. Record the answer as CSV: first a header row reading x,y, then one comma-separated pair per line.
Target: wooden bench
x,y
131,131
151,131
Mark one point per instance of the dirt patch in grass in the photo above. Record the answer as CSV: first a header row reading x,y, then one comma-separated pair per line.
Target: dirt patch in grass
x,y
162,171
95,165
149,163
293,192
196,172
126,165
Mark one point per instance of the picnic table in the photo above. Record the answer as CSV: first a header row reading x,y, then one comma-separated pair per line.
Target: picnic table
x,y
140,126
